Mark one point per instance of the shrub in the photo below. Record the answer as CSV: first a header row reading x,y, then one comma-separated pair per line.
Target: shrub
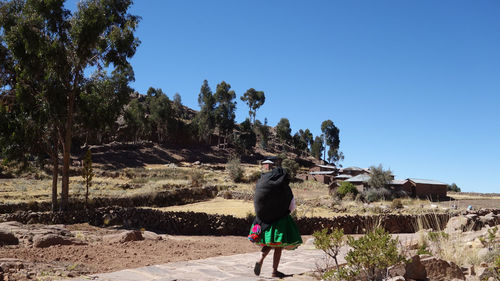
x,y
330,243
453,187
437,236
227,194
372,254
197,177
377,194
349,197
379,177
422,250
397,204
345,188
254,176
291,167
368,259
234,168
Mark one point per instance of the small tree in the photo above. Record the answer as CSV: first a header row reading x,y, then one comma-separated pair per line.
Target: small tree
x,y
379,177
291,167
372,254
345,188
234,168
453,187
262,130
246,140
87,173
283,130
330,243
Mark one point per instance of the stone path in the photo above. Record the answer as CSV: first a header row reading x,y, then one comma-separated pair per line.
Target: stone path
x,y
235,267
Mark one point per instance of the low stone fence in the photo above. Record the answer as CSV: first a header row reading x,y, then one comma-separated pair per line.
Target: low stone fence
x,y
176,196
190,223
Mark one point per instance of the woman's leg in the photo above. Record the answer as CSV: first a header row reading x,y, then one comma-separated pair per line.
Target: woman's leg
x,y
258,265
276,258
263,253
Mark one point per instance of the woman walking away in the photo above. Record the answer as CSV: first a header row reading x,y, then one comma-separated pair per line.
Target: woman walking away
x,y
273,227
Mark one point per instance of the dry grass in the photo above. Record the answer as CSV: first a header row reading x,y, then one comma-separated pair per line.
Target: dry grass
x,y
465,195
237,208
241,208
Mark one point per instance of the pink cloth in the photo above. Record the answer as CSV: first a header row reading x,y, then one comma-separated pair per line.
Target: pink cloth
x,y
292,205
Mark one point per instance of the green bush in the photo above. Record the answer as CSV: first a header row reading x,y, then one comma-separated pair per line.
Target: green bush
x,y
330,243
234,169
422,250
291,167
368,259
345,188
372,254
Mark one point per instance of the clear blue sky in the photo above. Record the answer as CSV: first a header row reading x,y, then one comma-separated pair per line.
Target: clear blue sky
x,y
412,85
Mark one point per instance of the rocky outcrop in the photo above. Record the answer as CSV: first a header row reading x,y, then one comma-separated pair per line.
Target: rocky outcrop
x,y
427,268
473,221
441,270
39,236
8,238
126,236
47,240
415,269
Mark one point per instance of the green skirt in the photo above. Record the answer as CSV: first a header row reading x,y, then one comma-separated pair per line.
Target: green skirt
x,y
283,233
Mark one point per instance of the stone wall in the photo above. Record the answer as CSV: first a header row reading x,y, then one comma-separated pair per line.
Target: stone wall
x,y
176,196
190,223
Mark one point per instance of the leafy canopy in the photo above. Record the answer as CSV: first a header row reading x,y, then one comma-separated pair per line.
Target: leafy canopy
x,y
254,99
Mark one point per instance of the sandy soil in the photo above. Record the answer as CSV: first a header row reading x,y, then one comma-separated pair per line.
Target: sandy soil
x,y
475,203
99,256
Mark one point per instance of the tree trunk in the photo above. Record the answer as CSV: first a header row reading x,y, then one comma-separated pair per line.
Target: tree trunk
x,y
87,195
66,151
55,168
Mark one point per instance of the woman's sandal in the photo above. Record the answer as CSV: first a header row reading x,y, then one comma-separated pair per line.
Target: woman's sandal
x,y
257,268
278,274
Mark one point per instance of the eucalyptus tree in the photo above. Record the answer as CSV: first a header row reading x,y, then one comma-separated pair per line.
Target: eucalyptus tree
x,y
160,114
225,109
283,130
317,147
254,99
332,139
205,119
50,51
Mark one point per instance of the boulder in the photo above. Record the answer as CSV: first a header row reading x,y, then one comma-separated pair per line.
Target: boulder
x,y
456,224
149,235
441,270
396,270
490,219
8,238
126,236
47,240
415,269
6,264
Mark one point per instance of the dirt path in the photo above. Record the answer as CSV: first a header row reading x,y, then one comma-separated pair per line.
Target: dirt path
x,y
100,256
